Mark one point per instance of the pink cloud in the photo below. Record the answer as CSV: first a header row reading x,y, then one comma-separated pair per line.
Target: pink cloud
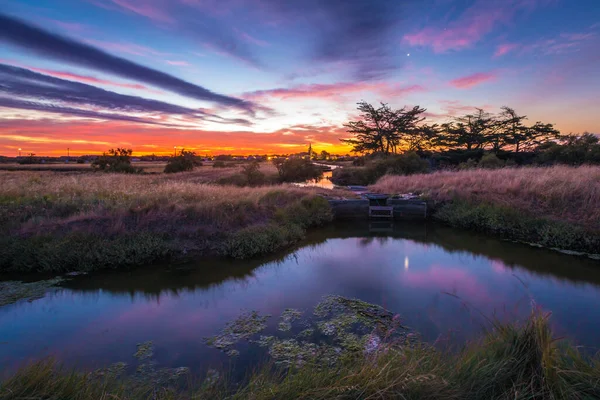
x,y
564,43
79,78
144,8
335,90
470,81
251,39
129,48
178,63
477,21
504,49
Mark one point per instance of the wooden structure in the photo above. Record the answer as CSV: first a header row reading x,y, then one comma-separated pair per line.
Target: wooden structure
x,y
380,208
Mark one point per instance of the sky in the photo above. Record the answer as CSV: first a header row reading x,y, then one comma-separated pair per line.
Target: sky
x,y
272,76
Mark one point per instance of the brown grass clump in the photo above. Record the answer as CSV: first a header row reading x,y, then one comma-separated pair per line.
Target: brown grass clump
x,y
561,193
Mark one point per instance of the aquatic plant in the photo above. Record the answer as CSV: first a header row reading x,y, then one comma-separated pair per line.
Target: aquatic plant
x,y
13,291
339,327
286,319
242,328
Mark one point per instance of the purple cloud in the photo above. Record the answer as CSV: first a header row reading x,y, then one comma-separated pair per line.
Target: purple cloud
x,y
43,42
36,90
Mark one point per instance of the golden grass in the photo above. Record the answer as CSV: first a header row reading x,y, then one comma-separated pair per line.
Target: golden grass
x,y
188,188
563,193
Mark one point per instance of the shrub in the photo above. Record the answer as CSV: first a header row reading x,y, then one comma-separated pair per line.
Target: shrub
x,y
351,176
402,164
219,164
406,164
80,252
261,239
469,164
491,161
185,161
118,160
511,224
253,174
297,170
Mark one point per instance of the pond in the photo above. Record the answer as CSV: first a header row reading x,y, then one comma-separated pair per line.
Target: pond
x,y
443,283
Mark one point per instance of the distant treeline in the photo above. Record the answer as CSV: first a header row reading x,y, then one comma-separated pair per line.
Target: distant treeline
x,y
385,131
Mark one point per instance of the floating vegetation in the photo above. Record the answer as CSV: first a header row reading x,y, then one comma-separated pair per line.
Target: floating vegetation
x,y
287,318
13,291
146,375
245,326
145,351
113,371
339,327
305,334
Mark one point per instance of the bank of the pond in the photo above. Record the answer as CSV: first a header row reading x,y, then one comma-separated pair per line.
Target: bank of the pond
x,y
555,207
510,361
56,222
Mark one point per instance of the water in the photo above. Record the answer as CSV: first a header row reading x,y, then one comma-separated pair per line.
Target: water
x,y
324,182
441,281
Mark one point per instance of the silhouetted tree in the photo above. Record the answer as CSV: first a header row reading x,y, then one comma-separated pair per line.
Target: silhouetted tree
x,y
385,130
185,161
118,160
470,132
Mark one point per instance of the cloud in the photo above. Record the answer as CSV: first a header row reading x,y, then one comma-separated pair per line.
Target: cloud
x,y
146,9
50,108
45,43
334,90
470,81
472,25
128,48
36,91
562,44
80,78
352,34
504,49
178,63
251,39
207,30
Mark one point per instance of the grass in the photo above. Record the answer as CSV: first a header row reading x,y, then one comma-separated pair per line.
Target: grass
x,y
54,221
509,361
555,206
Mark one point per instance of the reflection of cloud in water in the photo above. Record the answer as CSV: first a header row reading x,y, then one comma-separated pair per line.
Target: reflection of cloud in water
x,y
448,279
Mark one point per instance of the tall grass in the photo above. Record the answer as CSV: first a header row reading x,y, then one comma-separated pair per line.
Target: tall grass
x,y
555,207
510,361
99,220
570,194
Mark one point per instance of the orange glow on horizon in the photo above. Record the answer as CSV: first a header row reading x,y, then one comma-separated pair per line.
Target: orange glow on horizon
x,y
53,139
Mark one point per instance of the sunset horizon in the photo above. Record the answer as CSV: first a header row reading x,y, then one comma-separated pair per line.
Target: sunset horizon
x,y
271,77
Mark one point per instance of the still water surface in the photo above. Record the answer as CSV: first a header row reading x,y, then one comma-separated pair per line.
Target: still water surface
x,y
439,280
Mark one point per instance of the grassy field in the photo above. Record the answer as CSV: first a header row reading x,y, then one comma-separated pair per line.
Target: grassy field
x,y
555,206
207,173
53,221
148,167
510,361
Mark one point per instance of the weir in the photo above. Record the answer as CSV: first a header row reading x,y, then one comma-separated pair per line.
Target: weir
x,y
379,206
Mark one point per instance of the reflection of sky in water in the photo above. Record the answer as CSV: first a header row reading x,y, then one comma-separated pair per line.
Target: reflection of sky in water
x,y
438,293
